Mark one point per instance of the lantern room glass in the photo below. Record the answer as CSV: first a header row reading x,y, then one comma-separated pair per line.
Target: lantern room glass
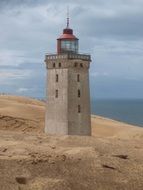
x,y
69,46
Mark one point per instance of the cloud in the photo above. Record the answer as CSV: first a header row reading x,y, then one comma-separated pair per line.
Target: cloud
x,y
110,30
21,90
11,57
99,74
134,47
11,76
15,74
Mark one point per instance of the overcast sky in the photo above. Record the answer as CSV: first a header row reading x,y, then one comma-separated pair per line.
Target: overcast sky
x,y
111,31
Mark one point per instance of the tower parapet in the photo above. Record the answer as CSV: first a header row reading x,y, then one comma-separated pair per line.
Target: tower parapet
x,y
66,55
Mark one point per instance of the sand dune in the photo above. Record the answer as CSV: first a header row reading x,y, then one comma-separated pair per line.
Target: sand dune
x,y
19,113
30,160
26,114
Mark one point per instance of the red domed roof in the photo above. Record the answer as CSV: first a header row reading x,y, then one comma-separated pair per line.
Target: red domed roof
x,y
68,34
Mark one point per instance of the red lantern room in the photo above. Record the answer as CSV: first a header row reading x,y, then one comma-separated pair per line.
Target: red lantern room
x,y
67,42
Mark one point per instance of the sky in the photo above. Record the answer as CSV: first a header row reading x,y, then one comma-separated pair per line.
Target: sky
x,y
111,31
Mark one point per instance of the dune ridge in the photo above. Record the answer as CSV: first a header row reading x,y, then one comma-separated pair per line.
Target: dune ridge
x,y
30,160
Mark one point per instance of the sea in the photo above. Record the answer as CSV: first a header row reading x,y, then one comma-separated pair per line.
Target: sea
x,y
128,111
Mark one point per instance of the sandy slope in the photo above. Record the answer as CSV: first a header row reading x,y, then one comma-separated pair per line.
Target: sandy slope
x,y
112,159
19,113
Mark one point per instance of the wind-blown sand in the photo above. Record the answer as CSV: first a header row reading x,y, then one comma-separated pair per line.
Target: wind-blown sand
x,y
112,159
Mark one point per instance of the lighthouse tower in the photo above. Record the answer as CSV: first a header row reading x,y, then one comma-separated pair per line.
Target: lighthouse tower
x,y
68,98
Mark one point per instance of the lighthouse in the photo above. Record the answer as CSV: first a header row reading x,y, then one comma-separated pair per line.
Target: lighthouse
x,y
68,96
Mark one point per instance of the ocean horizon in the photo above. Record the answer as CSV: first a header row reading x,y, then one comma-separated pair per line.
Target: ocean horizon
x,y
129,111
125,110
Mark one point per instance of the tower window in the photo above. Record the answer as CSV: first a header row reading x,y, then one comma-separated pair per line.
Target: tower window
x,y
59,64
79,109
78,93
78,78
57,77
54,65
56,95
81,65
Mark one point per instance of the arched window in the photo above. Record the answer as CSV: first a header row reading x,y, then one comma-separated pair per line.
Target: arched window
x,y
54,65
60,64
81,65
